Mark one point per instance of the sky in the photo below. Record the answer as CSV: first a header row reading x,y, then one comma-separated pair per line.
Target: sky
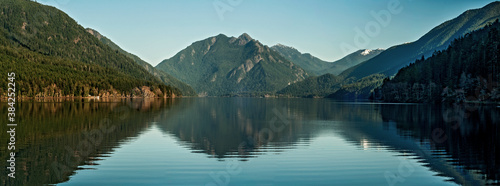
x,y
156,30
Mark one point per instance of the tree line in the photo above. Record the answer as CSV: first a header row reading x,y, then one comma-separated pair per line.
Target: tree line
x,y
468,70
54,56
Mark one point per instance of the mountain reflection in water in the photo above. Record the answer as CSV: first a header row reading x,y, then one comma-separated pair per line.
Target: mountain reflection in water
x,y
57,139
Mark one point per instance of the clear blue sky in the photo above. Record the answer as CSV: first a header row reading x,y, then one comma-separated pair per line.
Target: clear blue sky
x,y
157,29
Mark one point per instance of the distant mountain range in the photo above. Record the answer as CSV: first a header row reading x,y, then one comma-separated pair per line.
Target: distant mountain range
x,y
351,60
316,66
395,58
326,83
222,65
55,56
160,75
311,64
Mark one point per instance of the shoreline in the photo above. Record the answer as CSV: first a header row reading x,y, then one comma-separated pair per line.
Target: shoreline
x,y
4,99
98,98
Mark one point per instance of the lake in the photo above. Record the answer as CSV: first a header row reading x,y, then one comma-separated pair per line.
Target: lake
x,y
252,141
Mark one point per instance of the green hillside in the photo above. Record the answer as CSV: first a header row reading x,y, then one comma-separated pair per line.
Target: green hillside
x,y
393,59
317,86
224,65
54,56
311,64
316,66
468,70
162,76
361,89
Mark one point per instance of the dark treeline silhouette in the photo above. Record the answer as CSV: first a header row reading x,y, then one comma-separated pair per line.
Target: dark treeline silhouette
x,y
468,70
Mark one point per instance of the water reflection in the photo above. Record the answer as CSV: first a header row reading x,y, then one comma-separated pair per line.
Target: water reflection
x,y
218,128
458,143
464,138
54,138
237,128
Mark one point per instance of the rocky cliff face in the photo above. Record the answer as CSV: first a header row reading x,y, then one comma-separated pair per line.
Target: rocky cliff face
x,y
222,65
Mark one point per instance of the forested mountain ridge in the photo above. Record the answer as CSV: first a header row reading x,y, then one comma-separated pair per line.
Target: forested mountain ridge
x,y
222,65
328,82
336,87
311,64
468,70
313,87
162,76
316,66
52,55
394,58
360,89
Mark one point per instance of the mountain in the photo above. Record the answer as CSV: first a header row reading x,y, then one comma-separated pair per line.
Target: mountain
x,y
351,60
327,83
317,86
394,58
222,65
316,66
311,64
160,75
360,89
331,86
52,55
467,71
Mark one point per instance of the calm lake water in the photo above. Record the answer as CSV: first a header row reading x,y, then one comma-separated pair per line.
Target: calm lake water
x,y
252,141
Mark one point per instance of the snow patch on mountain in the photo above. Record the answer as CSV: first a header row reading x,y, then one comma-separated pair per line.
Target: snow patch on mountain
x,y
366,52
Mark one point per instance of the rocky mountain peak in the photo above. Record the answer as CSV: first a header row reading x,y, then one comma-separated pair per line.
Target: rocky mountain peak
x,y
279,45
245,36
244,39
94,33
